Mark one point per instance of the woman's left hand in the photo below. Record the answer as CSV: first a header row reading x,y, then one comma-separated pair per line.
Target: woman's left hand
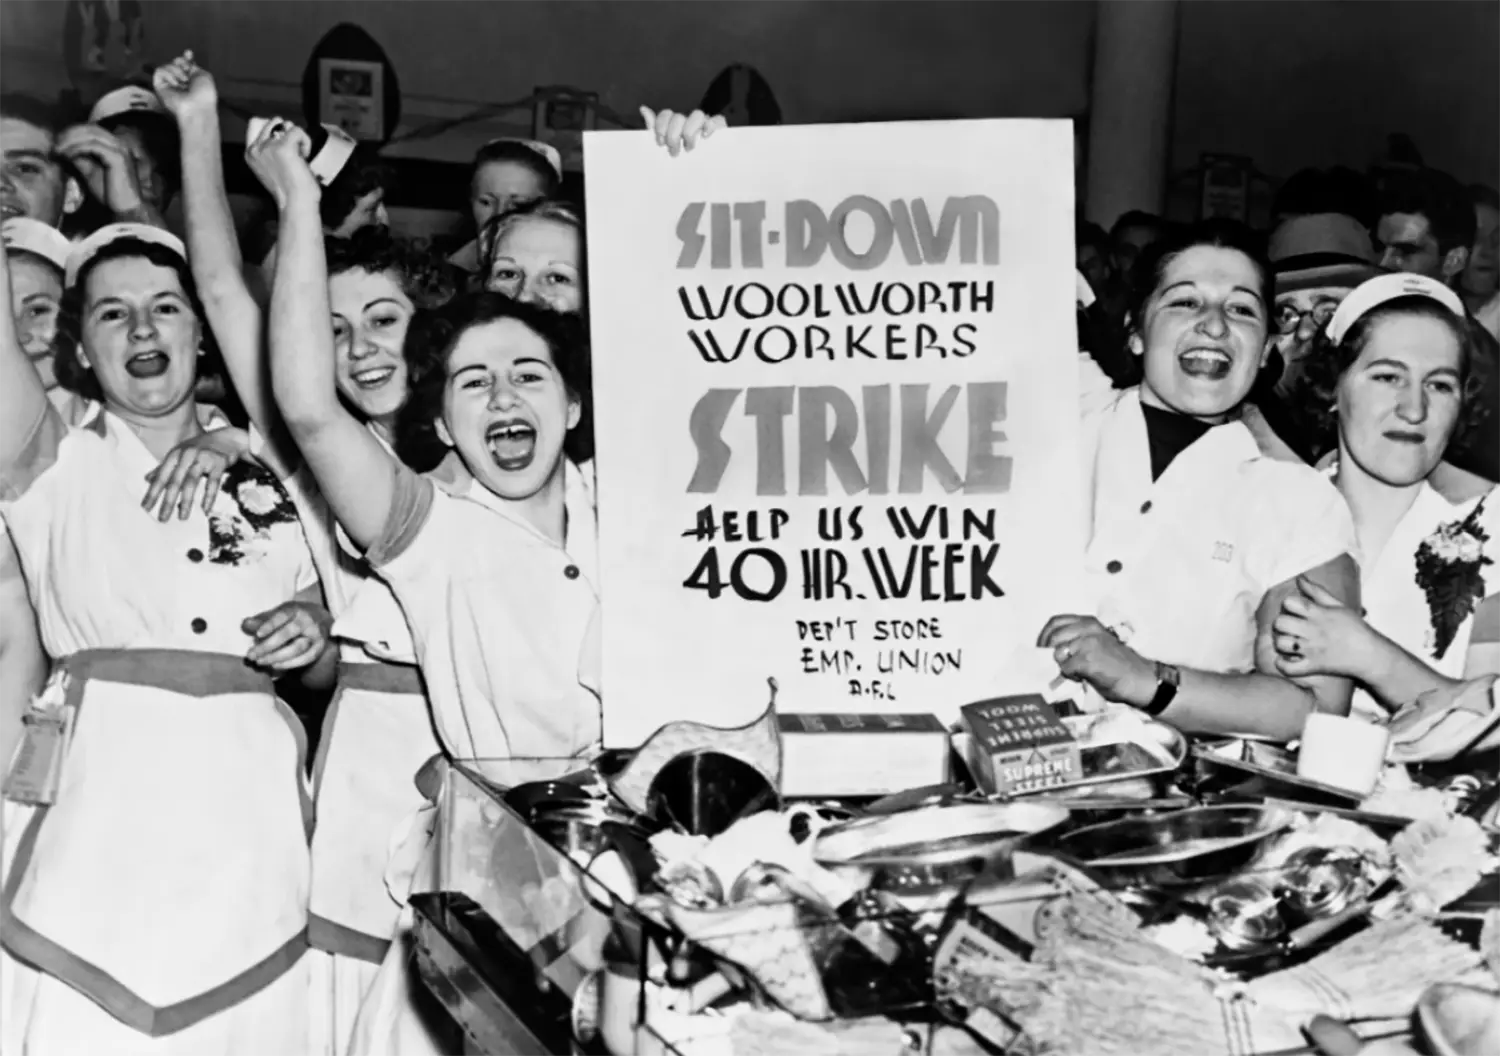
x,y
202,460
679,132
1317,634
1088,651
289,637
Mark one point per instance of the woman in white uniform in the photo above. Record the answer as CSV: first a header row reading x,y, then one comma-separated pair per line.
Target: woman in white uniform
x,y
157,903
377,732
1195,533
498,586
1397,365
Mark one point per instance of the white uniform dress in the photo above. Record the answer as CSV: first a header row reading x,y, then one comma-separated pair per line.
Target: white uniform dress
x,y
1178,566
1397,606
377,734
505,624
160,904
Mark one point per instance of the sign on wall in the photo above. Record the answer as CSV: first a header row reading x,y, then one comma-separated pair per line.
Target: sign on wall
x,y
836,415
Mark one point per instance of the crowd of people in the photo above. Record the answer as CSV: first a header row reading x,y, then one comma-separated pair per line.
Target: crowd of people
x,y
236,471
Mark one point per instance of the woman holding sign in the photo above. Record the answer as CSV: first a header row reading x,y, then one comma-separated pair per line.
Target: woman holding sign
x,y
1195,532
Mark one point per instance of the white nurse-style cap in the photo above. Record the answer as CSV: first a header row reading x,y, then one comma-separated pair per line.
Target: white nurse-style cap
x,y
331,158
1370,295
130,99
546,151
327,161
90,247
23,235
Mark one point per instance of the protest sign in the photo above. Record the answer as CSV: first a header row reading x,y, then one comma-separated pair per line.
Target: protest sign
x,y
836,415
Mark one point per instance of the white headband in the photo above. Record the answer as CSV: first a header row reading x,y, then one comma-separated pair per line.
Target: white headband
x,y
129,99
547,152
1371,294
90,247
23,235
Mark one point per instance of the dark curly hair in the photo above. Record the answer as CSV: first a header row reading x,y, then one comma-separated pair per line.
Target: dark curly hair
x,y
424,277
1151,266
1315,396
76,376
361,174
430,341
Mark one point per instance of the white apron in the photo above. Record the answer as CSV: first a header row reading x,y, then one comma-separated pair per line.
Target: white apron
x,y
160,905
376,736
167,884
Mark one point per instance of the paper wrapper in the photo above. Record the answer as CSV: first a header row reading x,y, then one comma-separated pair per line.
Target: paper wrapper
x,y
767,941
757,744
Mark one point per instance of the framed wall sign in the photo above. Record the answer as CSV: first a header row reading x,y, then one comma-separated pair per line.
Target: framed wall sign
x,y
351,95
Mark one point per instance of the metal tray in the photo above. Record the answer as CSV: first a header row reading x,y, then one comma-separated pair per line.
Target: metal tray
x,y
1097,733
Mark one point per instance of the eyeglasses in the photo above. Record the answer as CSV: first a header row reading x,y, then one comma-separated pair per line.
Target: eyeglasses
x,y
1289,317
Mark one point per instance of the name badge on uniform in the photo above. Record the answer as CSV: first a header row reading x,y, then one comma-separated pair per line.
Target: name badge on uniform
x,y
46,731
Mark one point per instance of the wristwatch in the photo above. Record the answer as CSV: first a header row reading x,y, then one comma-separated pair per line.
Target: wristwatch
x,y
1168,678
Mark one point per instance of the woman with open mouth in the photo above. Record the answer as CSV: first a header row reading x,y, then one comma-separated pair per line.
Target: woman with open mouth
x,y
377,731
1397,367
1195,532
536,255
498,586
156,890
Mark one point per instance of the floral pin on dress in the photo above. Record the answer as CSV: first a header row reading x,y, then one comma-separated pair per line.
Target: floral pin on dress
x,y
246,514
1450,564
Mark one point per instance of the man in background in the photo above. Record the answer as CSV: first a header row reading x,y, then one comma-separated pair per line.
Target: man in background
x,y
1427,227
1479,285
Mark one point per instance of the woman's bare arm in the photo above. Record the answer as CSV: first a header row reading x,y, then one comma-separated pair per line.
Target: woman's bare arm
x,y
1264,702
214,251
354,473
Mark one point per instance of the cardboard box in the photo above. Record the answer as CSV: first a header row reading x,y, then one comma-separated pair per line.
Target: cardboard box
x,y
1019,745
831,755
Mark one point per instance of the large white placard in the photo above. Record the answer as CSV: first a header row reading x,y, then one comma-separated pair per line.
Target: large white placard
x,y
836,413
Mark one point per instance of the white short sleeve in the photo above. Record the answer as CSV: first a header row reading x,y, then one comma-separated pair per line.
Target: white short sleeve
x,y
1307,517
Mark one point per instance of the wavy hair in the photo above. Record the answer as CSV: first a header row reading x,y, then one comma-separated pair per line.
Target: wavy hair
x,y
1315,396
555,209
75,375
424,277
430,341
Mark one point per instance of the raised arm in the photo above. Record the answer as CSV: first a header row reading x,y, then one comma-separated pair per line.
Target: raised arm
x,y
188,91
354,472
23,400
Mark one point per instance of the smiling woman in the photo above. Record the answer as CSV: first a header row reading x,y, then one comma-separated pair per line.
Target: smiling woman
x,y
123,289
1194,532
165,633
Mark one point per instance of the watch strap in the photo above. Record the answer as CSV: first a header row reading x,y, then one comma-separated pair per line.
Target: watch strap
x,y
1168,678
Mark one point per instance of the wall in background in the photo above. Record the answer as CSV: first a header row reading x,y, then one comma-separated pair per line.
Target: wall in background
x,y
847,60
1323,82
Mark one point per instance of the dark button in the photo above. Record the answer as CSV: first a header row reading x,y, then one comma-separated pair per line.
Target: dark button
x,y
1113,566
195,555
571,571
1146,506
199,625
